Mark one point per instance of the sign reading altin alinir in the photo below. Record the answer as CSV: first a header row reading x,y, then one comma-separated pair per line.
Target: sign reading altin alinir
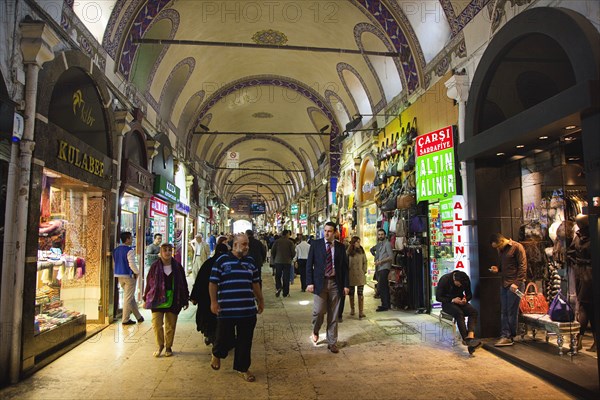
x,y
434,159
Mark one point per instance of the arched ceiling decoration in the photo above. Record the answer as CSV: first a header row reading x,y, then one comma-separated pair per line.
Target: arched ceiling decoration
x,y
256,72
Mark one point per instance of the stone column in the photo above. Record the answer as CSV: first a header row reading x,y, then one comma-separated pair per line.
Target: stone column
x,y
37,42
122,121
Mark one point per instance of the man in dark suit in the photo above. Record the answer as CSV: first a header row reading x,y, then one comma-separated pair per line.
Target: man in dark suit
x,y
327,279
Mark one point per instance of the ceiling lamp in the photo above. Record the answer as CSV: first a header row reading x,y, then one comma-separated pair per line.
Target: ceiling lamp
x,y
340,138
204,129
322,158
354,123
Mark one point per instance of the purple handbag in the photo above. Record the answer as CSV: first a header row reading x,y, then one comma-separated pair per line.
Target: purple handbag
x,y
560,310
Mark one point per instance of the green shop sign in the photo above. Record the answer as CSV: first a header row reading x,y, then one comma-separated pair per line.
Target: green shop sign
x,y
294,209
435,167
165,189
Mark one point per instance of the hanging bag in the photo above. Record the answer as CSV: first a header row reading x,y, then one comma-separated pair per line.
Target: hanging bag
x,y
401,227
399,242
418,223
406,198
560,310
412,133
533,302
394,223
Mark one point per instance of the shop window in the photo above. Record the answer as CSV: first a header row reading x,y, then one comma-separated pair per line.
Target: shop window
x,y
69,252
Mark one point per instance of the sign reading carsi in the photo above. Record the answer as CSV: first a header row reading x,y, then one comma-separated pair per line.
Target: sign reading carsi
x,y
436,177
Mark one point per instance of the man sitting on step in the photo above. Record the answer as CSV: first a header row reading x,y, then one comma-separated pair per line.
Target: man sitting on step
x,y
454,292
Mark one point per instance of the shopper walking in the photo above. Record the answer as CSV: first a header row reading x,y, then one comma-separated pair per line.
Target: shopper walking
x,y
166,294
201,251
282,253
327,279
127,272
206,321
257,251
234,293
357,268
302,249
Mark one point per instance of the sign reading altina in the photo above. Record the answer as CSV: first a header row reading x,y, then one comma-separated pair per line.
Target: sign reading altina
x,y
76,157
436,177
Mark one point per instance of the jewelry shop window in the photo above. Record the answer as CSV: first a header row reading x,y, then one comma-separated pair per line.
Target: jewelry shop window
x,y
69,252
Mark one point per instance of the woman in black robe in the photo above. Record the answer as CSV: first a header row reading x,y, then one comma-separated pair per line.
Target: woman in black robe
x,y
206,321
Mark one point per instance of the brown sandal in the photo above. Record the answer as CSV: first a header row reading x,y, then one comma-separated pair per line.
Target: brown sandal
x,y
215,362
247,376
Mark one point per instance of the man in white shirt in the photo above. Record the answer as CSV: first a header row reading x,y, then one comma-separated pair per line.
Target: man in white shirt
x,y
201,251
301,255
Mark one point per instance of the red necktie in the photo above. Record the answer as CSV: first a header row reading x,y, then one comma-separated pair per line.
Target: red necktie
x,y
329,264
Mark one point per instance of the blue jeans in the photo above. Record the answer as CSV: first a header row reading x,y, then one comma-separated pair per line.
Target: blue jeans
x,y
509,310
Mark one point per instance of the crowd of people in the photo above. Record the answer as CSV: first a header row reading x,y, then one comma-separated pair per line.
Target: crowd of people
x,y
227,290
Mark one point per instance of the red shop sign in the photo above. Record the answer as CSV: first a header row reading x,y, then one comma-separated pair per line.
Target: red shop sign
x,y
158,207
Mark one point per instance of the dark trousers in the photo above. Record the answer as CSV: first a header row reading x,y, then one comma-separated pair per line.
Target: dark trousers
x,y
282,278
238,333
383,286
509,309
302,271
459,313
585,315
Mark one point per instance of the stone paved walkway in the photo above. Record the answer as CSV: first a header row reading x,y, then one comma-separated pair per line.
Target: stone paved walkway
x,y
390,355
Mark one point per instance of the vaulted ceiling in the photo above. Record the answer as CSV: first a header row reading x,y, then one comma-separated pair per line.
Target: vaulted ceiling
x,y
274,81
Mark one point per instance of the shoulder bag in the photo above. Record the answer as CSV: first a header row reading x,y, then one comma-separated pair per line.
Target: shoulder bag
x,y
560,310
533,302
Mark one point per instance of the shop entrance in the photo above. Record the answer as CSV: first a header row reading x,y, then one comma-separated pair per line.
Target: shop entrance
x,y
531,145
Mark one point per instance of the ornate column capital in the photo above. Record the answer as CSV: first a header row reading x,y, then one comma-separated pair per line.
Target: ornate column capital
x,y
458,88
37,42
152,148
122,121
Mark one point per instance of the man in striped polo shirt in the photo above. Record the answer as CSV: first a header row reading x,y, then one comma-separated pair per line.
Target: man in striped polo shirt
x,y
234,287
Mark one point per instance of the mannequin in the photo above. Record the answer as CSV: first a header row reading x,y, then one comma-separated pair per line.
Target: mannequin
x,y
580,256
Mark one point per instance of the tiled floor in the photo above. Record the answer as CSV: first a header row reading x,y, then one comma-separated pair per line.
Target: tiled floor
x,y
390,355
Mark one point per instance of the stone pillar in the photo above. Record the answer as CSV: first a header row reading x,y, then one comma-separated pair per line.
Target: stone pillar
x,y
37,42
122,121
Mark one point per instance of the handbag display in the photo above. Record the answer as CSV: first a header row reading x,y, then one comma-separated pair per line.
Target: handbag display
x,y
394,223
405,201
399,243
560,310
418,223
533,302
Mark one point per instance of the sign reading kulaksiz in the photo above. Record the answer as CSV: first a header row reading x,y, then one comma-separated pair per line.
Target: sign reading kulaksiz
x,y
435,168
